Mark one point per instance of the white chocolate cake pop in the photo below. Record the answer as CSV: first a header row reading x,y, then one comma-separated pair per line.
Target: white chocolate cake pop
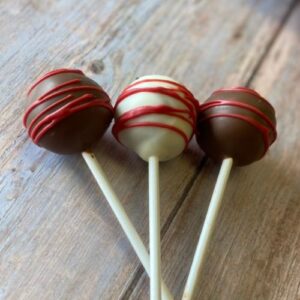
x,y
155,116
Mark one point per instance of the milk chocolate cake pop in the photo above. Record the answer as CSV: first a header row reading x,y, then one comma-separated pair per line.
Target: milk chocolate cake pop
x,y
69,112
237,123
155,115
237,126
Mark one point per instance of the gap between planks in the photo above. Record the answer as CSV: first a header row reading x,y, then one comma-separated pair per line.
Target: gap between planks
x,y
269,45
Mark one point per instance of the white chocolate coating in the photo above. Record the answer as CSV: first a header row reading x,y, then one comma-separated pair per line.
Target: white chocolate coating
x,y
155,116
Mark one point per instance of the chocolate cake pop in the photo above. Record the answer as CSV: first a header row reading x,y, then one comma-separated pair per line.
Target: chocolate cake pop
x,y
237,126
69,112
155,116
237,123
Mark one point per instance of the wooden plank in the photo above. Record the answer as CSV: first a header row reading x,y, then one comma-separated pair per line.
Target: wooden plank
x,y
59,239
255,250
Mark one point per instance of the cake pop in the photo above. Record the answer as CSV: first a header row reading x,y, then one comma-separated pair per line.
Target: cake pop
x,y
68,114
155,116
236,125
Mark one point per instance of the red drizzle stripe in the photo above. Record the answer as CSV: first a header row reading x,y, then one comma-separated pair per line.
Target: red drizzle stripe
x,y
245,106
69,90
158,90
262,129
44,98
122,126
52,119
47,109
52,73
245,90
34,132
49,92
58,87
181,87
147,110
240,89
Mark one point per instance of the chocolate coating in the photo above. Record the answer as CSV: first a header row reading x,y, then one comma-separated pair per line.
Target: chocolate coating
x,y
236,123
69,112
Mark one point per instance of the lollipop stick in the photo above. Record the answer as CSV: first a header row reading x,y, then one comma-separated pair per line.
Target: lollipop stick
x,y
154,229
122,216
207,230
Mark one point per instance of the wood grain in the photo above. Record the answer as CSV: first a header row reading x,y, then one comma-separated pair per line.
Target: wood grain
x,y
58,237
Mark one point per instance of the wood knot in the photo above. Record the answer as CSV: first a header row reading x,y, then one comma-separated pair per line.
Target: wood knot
x,y
97,66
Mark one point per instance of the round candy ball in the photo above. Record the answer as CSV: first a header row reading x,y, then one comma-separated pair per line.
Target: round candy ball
x,y
68,113
155,116
237,123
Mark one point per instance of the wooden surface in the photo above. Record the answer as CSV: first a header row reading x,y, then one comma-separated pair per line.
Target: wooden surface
x,y
58,236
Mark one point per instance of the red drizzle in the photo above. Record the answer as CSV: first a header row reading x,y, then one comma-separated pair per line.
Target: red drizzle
x,y
66,106
180,86
265,130
47,97
52,73
262,129
245,106
187,100
245,90
188,114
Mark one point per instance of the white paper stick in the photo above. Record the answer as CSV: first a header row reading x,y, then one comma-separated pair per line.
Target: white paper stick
x,y
207,230
122,216
154,229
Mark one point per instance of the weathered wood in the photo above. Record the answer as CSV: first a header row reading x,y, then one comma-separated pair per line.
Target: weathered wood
x,y
58,237
255,251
